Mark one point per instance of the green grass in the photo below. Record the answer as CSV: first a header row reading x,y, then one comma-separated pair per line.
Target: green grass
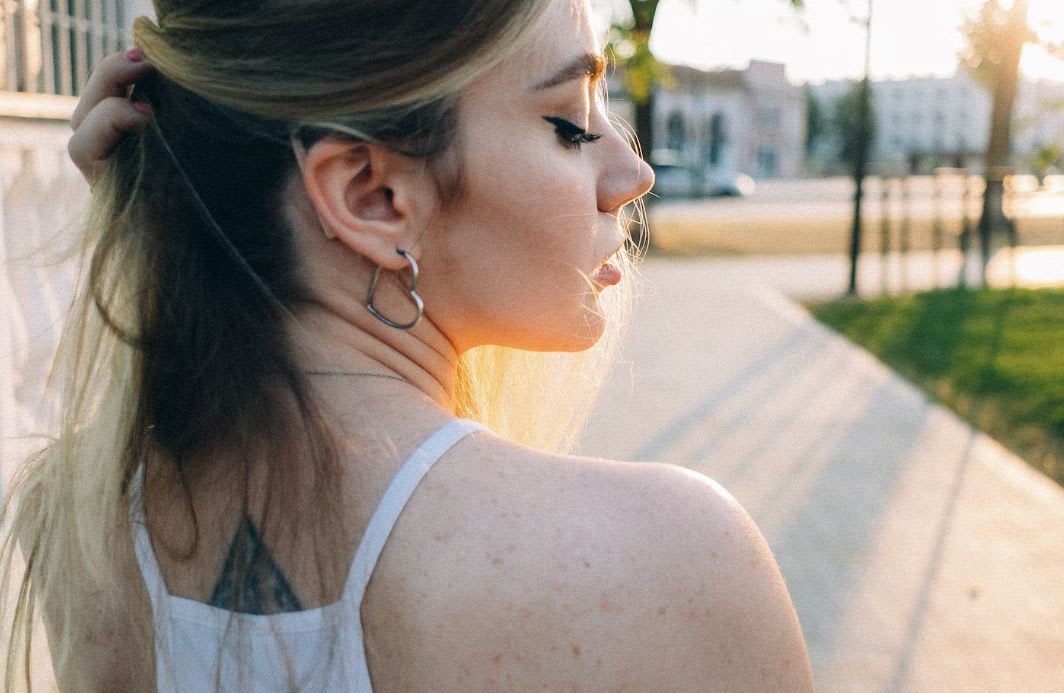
x,y
996,357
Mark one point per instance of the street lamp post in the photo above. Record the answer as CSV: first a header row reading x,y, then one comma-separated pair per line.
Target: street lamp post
x,y
861,154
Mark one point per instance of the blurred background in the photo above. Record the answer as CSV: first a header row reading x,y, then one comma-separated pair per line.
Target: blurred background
x,y
854,314
786,104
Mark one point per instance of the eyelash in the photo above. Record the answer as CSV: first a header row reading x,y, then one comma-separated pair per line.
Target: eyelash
x,y
572,136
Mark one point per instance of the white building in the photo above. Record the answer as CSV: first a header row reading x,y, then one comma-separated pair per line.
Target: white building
x,y
929,121
1039,116
748,121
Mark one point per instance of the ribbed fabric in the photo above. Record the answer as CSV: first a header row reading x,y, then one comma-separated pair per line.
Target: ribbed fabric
x,y
199,647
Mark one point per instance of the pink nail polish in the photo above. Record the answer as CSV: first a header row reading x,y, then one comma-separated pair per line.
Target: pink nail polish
x,y
134,55
142,107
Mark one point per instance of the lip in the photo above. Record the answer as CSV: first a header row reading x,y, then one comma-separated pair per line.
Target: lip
x,y
607,273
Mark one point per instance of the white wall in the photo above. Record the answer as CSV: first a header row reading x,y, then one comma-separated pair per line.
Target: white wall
x,y
41,195
136,8
763,112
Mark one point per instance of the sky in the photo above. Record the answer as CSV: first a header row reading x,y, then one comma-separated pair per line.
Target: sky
x,y
909,37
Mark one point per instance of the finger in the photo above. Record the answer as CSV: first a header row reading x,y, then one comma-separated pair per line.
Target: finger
x,y
112,76
102,129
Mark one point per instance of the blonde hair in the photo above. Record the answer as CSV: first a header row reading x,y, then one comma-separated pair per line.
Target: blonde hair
x,y
165,237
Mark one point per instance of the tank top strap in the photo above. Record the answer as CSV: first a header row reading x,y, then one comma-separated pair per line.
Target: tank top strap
x,y
149,566
394,500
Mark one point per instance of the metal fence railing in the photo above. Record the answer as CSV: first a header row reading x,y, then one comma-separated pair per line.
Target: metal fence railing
x,y
51,46
940,215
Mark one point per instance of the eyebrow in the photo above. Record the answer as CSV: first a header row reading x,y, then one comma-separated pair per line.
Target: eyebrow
x,y
589,64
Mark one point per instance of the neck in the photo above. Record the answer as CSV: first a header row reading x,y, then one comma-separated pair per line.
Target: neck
x,y
346,337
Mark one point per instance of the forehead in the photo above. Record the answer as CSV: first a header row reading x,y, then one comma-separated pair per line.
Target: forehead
x,y
564,34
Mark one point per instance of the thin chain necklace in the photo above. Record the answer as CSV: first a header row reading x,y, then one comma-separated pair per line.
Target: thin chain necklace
x,y
389,376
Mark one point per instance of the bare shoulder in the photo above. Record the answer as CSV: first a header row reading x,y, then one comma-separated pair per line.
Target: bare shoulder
x,y
736,626
724,619
562,571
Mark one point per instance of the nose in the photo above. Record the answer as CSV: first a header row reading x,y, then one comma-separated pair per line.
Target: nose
x,y
624,176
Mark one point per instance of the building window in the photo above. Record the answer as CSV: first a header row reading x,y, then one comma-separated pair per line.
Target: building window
x,y
676,133
51,46
766,161
716,139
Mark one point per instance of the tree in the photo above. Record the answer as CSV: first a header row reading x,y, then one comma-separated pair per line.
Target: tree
x,y
642,70
983,54
995,37
1046,157
630,46
860,150
816,122
846,125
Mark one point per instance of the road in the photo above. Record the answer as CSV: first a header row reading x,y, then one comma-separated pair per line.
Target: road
x,y
795,216
834,197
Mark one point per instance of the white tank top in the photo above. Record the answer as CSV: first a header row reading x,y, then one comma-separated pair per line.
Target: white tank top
x,y
199,647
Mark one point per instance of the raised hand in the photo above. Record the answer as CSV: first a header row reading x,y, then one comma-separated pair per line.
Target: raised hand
x,y
104,114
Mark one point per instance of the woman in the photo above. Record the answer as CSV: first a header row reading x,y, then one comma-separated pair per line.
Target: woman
x,y
343,241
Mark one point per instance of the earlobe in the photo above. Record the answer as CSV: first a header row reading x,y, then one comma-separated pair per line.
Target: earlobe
x,y
350,186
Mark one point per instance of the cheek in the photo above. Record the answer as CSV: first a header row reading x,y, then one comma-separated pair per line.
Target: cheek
x,y
514,250
512,275
537,200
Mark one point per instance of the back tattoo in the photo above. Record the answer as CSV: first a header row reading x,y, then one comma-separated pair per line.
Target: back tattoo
x,y
265,589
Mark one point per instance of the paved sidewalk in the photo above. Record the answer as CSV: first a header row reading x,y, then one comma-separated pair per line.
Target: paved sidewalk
x,y
921,555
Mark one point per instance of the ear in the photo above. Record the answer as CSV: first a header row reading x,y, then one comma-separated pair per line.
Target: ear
x,y
368,197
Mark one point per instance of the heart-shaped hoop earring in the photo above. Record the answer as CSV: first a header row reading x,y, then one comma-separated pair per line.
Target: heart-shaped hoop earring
x,y
412,291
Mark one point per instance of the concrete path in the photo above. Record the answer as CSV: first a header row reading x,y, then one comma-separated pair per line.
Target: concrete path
x,y
921,555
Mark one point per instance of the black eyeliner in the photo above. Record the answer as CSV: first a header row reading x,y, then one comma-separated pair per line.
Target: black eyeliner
x,y
572,135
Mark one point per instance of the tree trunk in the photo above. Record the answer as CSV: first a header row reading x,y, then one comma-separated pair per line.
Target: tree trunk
x,y
644,130
992,220
860,166
644,126
643,13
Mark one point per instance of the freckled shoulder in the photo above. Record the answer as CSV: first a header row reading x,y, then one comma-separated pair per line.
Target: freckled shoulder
x,y
517,569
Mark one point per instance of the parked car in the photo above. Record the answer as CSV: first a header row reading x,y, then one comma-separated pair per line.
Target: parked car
x,y
674,178
729,185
